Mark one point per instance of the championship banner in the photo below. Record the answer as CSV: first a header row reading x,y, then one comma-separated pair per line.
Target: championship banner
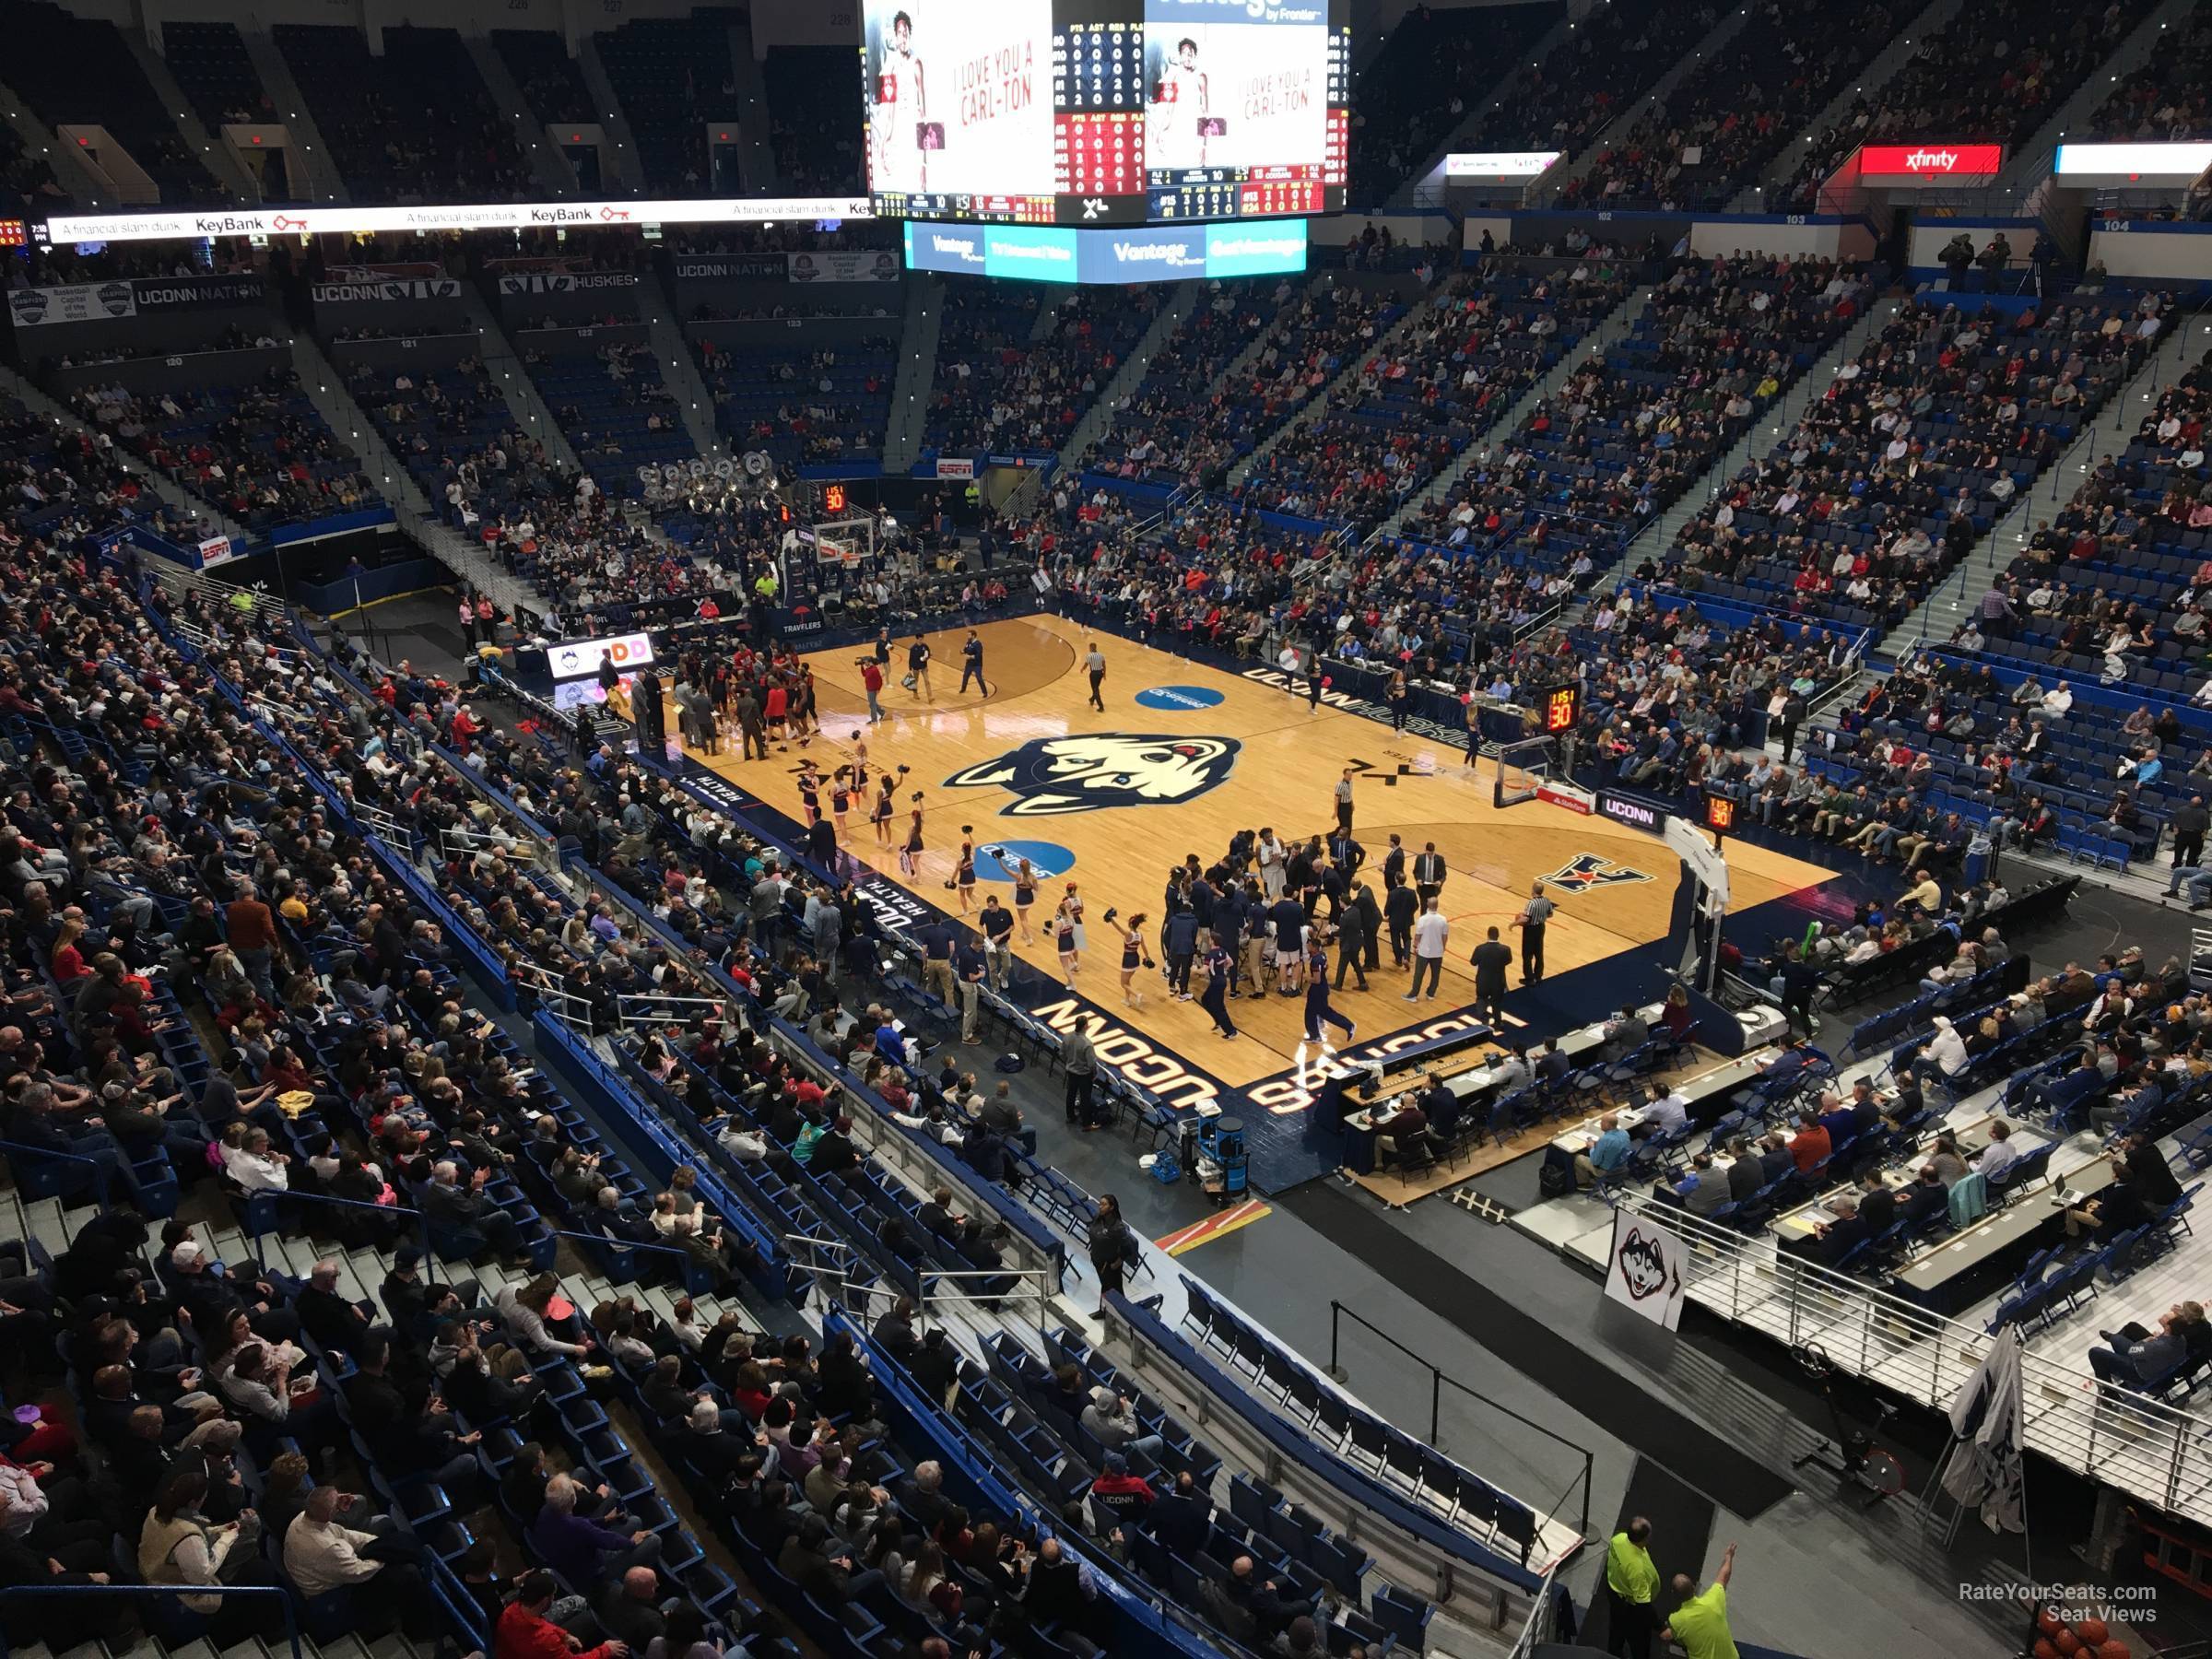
x,y
397,288
79,302
566,282
758,268
1644,1271
177,293
842,265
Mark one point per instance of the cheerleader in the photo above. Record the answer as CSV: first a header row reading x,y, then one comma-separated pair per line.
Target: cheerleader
x,y
810,793
886,809
1132,952
1400,697
841,798
1067,937
1025,895
910,855
963,874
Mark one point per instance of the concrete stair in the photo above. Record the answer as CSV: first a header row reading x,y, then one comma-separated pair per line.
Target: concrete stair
x,y
1307,413
216,155
1181,304
2031,162
1659,533
1719,35
1410,193
324,182
418,516
679,368
1960,593
757,158
549,169
173,495
917,369
630,171
525,402
1610,327
1877,75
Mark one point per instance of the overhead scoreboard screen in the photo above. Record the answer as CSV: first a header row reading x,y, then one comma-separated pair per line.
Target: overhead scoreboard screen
x,y
1104,112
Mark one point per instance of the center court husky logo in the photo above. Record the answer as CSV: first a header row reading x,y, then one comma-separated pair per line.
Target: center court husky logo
x,y
1642,1265
1087,772
1588,870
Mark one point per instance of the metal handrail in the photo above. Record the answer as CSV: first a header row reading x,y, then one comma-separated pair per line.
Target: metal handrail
x,y
1338,1311
291,1623
99,1176
2133,1442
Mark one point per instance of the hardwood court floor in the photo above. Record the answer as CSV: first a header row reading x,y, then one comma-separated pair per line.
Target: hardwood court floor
x,y
1125,795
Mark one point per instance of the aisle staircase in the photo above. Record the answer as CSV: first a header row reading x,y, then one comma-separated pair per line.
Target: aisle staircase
x,y
917,369
326,388
1960,593
1658,533
326,184
549,169
1096,419
1548,189
1610,327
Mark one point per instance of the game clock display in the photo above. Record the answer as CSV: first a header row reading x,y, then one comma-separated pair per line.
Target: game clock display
x,y
1105,112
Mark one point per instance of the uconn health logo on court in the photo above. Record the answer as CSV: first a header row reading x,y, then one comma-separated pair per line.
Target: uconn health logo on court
x,y
1089,771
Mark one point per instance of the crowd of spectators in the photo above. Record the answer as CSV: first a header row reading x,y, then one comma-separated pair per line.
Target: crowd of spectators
x,y
1992,74
1446,376
413,123
815,120
1717,343
999,389
258,450
2169,98
1731,115
1416,90
1914,451
87,77
1608,60
802,404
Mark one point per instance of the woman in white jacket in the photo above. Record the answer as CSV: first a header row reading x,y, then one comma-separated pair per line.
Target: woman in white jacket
x,y
523,1306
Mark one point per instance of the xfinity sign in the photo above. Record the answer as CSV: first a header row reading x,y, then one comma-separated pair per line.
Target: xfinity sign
x,y
1931,163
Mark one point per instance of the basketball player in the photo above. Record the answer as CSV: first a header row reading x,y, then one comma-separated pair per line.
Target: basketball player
x,y
1178,104
901,108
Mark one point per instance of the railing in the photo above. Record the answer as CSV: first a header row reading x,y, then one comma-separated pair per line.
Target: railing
x,y
2125,1440
99,1174
1338,1312
1544,1624
831,1262
9,1630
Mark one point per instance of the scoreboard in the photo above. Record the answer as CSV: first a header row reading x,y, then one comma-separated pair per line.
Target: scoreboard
x,y
1105,112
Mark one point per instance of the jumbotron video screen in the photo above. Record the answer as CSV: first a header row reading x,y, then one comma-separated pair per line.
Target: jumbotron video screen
x,y
1105,111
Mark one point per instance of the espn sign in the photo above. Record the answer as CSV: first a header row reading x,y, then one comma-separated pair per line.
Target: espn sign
x,y
1895,163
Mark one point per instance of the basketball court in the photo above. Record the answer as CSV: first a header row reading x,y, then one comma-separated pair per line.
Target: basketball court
x,y
1184,756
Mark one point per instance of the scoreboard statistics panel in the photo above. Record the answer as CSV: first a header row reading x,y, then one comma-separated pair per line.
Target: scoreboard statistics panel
x,y
1247,108
1105,112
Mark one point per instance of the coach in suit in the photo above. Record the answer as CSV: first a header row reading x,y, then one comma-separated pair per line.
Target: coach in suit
x,y
1399,909
1355,936
1491,959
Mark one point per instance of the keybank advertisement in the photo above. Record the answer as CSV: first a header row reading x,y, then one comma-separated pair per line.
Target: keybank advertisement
x,y
1041,253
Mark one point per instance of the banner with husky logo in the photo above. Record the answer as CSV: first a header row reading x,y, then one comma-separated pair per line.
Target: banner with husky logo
x,y
1644,1271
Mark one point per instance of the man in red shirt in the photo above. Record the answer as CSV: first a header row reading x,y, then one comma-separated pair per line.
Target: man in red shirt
x,y
525,1632
1811,1143
871,679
